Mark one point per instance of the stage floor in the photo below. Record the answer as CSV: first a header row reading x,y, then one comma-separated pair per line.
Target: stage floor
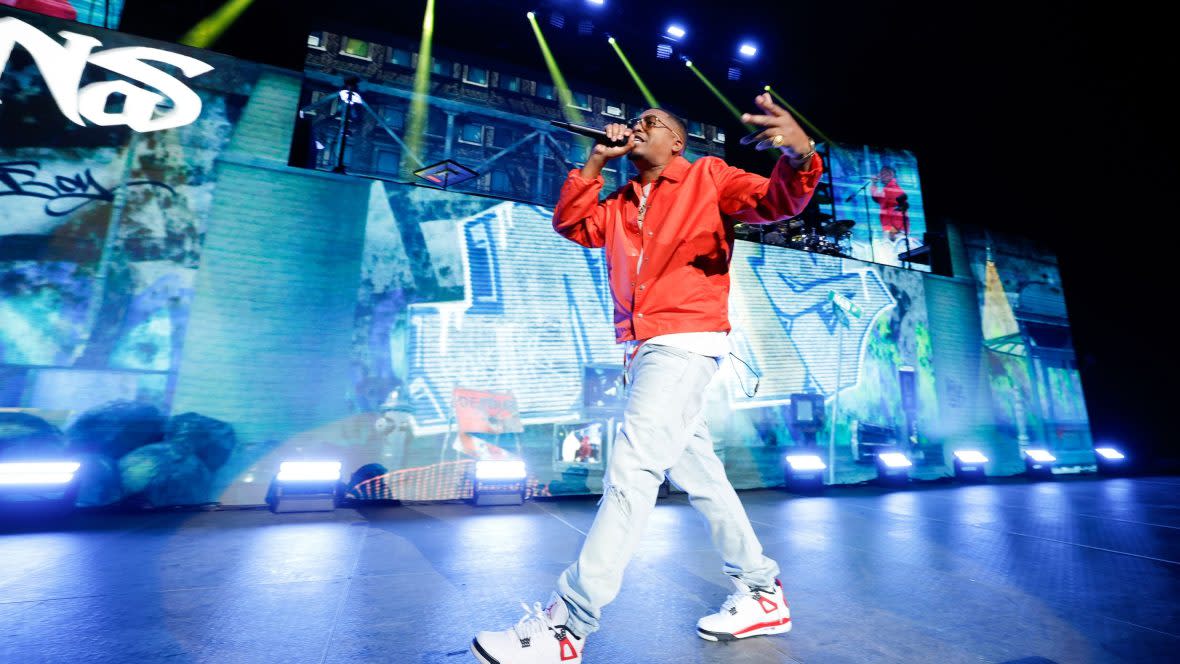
x,y
1078,570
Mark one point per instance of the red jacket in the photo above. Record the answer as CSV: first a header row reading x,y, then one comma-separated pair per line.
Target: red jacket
x,y
892,219
687,238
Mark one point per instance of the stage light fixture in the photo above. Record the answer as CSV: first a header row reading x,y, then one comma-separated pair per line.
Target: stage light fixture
x,y
1110,461
34,473
610,40
305,486
663,51
688,63
531,15
675,31
970,466
596,3
893,468
735,74
1038,463
748,50
803,472
499,482
42,487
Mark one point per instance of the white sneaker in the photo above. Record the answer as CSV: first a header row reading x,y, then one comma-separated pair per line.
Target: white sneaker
x,y
540,637
748,612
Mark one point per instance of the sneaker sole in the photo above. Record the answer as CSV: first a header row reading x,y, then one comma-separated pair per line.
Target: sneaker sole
x,y
481,654
725,636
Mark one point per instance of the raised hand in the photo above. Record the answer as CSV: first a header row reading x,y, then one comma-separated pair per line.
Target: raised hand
x,y
779,129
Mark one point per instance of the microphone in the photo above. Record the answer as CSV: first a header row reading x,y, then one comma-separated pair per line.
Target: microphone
x,y
590,132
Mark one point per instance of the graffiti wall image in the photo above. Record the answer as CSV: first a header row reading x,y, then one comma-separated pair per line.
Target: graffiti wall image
x,y
525,312
1031,368
101,230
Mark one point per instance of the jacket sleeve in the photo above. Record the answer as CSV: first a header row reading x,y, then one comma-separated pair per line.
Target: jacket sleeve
x,y
752,198
579,216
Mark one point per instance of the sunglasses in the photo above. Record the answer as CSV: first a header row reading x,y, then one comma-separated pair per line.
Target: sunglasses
x,y
649,121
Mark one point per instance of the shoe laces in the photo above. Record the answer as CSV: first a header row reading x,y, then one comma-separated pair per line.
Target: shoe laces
x,y
738,595
535,621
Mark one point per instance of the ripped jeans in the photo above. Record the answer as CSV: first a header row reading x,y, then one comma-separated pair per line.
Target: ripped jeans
x,y
664,430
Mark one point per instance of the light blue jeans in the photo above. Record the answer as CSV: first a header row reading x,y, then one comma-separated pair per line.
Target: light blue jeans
x,y
664,430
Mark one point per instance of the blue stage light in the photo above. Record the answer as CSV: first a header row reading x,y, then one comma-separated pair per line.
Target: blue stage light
x,y
805,462
38,473
302,471
499,482
893,468
596,3
500,470
1038,463
894,460
663,51
1110,461
971,456
675,31
41,487
748,50
804,472
969,466
305,486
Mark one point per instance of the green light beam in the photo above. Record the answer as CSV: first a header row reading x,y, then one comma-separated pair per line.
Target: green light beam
x,y
713,88
814,129
210,28
421,100
564,97
647,95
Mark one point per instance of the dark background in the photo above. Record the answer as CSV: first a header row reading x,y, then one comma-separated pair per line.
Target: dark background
x,y
1045,119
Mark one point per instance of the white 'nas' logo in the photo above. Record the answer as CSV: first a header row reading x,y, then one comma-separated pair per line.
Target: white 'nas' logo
x,y
61,66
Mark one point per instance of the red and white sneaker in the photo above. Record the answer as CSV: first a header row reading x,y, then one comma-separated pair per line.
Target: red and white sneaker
x,y
540,637
748,612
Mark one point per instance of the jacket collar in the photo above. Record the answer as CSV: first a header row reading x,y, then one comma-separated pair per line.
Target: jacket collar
x,y
673,172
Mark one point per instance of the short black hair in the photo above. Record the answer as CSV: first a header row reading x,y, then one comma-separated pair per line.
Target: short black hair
x,y
677,125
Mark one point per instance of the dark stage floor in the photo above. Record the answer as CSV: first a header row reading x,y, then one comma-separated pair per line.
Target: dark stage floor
x,y
1084,570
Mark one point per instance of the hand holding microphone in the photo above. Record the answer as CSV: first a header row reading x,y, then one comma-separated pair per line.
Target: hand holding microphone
x,y
612,141
616,143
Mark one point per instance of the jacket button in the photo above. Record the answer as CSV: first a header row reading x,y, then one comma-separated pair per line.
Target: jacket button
x,y
642,287
639,315
650,233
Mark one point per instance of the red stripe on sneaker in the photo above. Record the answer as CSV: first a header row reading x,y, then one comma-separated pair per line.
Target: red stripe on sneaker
x,y
567,650
751,628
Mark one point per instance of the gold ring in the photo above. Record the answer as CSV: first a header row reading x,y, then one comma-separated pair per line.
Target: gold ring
x,y
777,141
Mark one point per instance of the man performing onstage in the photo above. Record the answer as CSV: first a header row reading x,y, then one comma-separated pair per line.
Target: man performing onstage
x,y
893,201
668,243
